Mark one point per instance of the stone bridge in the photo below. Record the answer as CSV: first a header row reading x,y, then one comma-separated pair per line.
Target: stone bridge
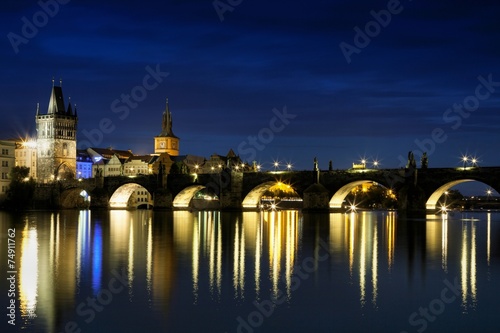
x,y
416,189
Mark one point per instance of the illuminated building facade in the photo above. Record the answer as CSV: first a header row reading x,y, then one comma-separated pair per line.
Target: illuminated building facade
x,y
139,165
83,164
56,139
7,160
26,156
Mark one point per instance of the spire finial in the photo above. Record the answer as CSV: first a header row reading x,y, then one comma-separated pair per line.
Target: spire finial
x,y
60,82
52,82
37,108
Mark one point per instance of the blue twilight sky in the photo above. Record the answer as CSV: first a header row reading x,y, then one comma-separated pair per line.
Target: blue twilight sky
x,y
346,79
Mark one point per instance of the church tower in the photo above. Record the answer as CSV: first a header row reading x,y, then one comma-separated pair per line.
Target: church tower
x,y
56,139
166,141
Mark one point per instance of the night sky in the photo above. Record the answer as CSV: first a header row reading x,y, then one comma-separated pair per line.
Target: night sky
x,y
273,80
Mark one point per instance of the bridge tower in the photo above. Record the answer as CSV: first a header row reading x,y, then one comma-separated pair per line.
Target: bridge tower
x,y
56,139
166,141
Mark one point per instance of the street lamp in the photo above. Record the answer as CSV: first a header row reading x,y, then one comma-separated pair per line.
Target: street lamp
x,y
276,165
465,159
289,166
375,164
363,163
489,192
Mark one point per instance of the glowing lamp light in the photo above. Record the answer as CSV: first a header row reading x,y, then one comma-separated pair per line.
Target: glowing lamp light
x,y
465,159
352,207
29,144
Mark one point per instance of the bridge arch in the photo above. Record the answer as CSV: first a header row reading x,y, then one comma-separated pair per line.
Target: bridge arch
x,y
121,195
75,198
252,199
183,199
432,202
340,195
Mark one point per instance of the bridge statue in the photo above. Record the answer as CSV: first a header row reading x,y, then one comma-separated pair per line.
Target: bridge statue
x,y
424,161
411,161
316,171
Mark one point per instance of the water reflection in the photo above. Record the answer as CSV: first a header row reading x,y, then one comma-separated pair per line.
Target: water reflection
x,y
390,237
444,243
468,265
209,258
239,260
356,235
248,233
206,244
28,271
282,234
488,239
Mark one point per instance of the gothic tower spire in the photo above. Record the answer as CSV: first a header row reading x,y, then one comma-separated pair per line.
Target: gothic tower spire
x,y
166,128
166,141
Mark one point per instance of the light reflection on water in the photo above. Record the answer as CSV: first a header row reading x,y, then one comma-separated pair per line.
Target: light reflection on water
x,y
186,270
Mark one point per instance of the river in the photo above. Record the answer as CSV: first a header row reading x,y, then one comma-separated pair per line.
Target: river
x,y
271,271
